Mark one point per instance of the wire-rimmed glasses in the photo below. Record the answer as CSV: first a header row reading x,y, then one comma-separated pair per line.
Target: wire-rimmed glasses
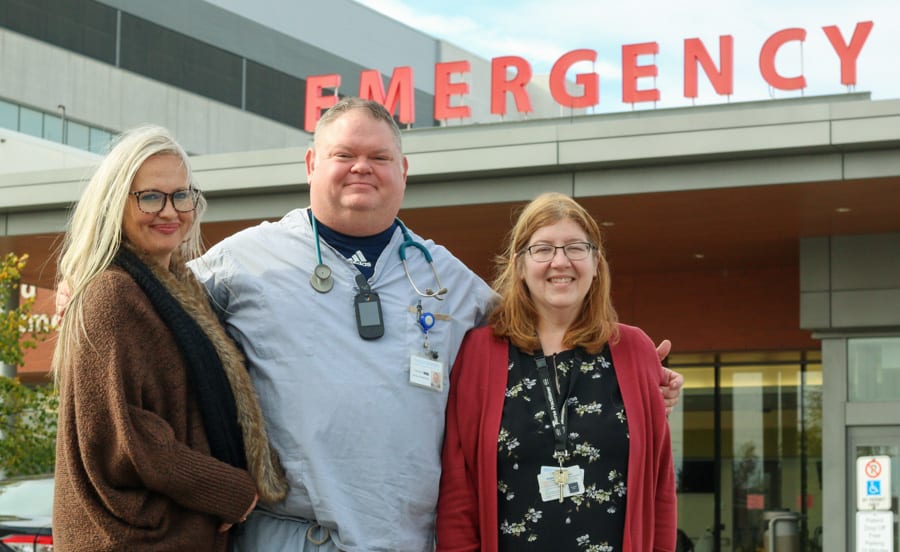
x,y
544,252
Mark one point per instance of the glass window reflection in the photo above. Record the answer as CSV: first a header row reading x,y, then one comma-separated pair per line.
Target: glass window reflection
x,y
873,368
9,115
746,439
53,128
77,135
31,122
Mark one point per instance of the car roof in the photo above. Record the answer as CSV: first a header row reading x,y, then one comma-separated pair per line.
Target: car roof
x,y
26,498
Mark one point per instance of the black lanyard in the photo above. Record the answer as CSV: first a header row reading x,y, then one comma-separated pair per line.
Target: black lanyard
x,y
558,415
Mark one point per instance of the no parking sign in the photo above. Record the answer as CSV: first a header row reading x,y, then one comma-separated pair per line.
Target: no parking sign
x,y
873,483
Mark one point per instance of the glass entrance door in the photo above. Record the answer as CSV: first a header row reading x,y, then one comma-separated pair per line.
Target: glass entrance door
x,y
872,441
765,470
693,427
746,439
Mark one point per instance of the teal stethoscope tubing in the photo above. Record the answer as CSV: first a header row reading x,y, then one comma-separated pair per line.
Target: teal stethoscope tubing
x,y
322,280
437,293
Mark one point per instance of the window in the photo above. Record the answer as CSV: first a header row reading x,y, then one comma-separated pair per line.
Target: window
x,y
31,122
873,368
179,60
99,140
82,26
77,135
53,128
275,95
9,115
747,439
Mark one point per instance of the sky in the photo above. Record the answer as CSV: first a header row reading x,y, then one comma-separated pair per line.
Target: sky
x,y
542,30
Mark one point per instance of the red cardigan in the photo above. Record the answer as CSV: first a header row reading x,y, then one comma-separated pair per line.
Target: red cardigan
x,y
467,505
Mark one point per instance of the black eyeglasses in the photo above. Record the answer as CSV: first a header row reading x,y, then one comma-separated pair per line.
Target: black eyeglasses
x,y
154,201
544,253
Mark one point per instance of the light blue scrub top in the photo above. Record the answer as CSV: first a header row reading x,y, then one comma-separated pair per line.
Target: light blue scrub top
x,y
361,445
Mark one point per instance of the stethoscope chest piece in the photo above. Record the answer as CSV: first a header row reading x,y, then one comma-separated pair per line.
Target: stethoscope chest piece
x,y
321,279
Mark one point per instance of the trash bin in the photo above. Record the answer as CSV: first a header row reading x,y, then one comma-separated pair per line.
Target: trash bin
x,y
782,531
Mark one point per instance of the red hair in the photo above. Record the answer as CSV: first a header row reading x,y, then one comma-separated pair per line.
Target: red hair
x,y
516,317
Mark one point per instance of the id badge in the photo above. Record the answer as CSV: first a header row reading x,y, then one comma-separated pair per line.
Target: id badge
x,y
425,372
557,483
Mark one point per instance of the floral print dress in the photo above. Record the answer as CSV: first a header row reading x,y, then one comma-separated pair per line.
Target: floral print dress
x,y
597,443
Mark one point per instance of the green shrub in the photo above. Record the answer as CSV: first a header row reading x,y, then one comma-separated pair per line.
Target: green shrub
x,y
28,445
27,414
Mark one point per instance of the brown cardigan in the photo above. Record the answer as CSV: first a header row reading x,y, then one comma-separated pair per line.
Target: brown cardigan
x,y
133,470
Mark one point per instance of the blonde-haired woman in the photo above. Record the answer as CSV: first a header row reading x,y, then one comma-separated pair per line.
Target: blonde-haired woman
x,y
158,421
556,432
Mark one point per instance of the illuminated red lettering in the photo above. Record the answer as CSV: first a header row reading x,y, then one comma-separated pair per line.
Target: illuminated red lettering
x,y
501,83
315,101
631,72
695,53
848,52
444,89
767,60
400,90
589,82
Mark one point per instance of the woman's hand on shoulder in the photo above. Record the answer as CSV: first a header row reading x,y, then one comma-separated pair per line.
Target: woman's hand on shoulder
x,y
63,295
672,382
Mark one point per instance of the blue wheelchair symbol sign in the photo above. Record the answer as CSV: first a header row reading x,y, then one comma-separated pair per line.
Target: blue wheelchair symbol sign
x,y
873,488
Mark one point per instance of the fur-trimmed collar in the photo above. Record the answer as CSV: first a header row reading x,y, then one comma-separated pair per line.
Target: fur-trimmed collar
x,y
263,461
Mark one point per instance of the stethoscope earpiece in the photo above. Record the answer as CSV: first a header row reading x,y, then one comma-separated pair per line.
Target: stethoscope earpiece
x,y
321,279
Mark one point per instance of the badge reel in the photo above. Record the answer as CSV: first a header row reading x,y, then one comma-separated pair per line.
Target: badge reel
x,y
425,370
367,305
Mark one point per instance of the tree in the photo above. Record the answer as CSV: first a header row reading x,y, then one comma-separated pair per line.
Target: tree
x,y
27,414
29,428
14,320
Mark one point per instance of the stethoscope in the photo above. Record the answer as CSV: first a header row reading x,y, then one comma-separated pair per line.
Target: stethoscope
x,y
322,279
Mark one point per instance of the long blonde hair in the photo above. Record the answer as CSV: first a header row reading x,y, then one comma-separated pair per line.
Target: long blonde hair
x,y
94,232
516,317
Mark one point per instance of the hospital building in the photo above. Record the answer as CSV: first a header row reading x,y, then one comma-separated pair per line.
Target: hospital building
x,y
762,238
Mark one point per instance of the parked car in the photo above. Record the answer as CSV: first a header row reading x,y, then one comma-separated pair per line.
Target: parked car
x,y
26,507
